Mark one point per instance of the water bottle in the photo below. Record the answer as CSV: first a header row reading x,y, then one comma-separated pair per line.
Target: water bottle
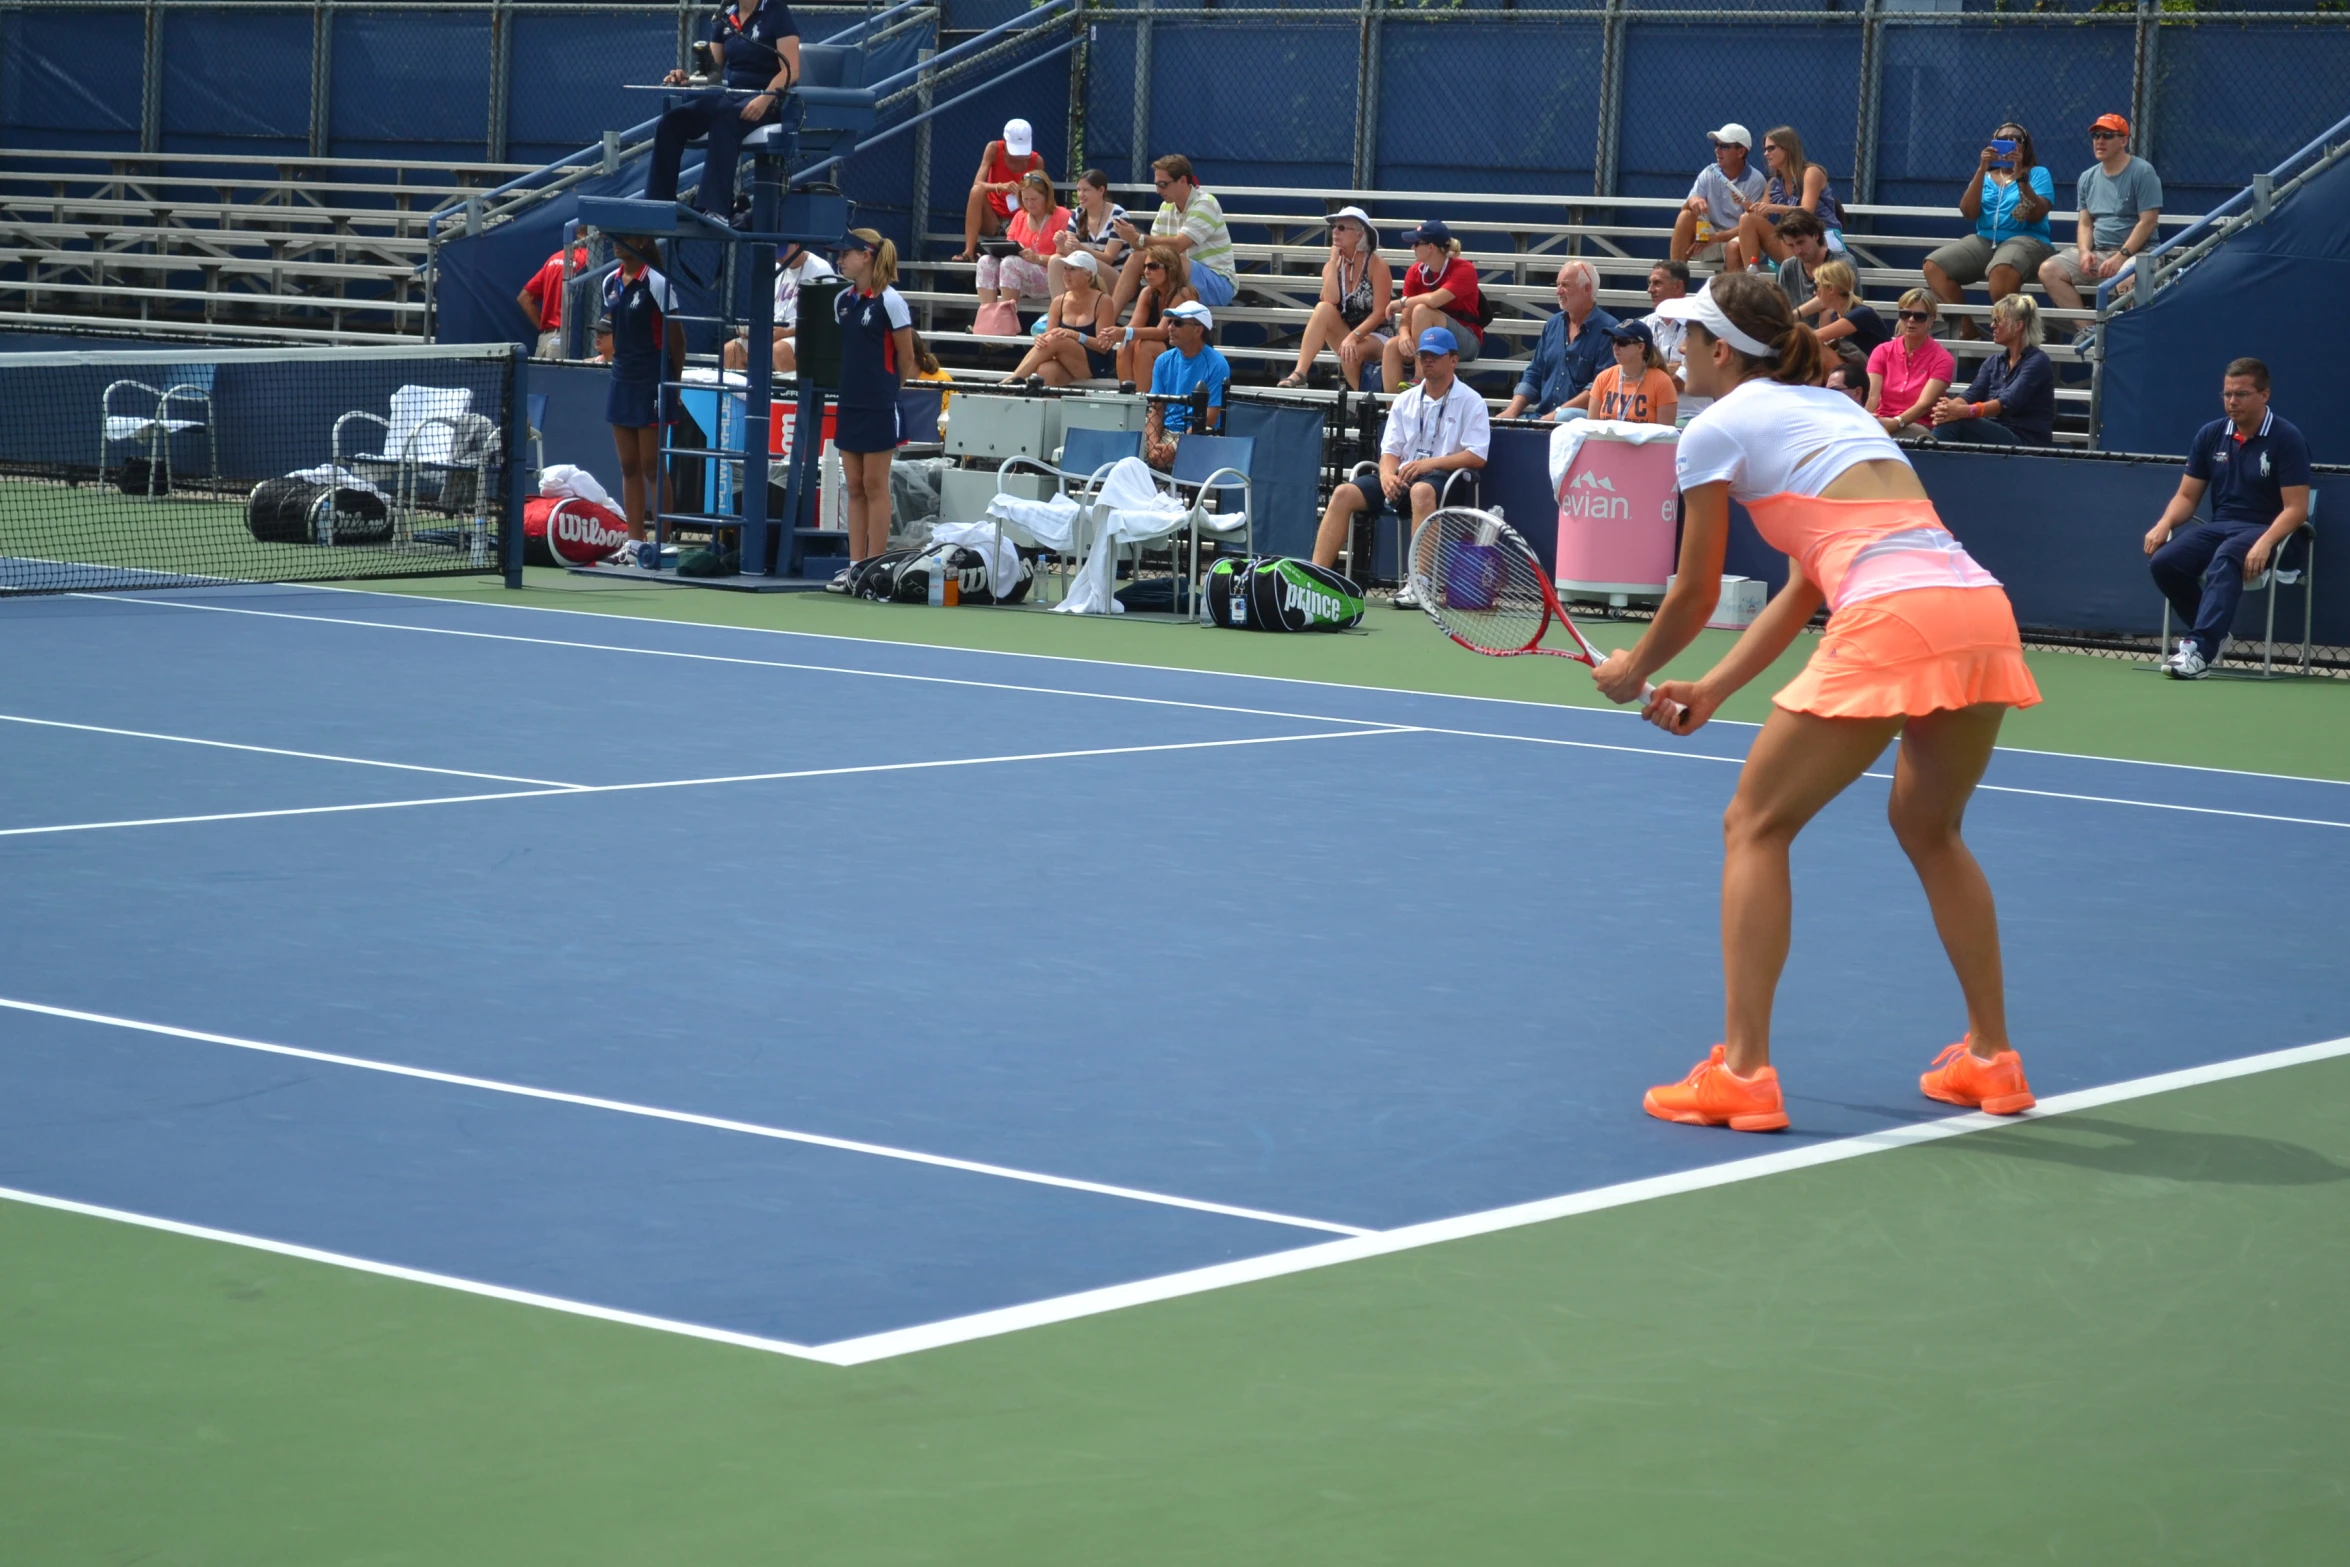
x,y
938,581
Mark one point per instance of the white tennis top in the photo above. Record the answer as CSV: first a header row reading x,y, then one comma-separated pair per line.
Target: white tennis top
x,y
1770,439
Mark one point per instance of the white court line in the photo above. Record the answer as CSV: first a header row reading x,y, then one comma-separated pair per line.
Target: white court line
x,y
576,790
1221,674
684,1118
868,1348
1324,718
392,1270
1086,1303
271,750
1989,788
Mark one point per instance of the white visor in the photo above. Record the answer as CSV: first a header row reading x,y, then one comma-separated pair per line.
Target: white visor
x,y
1700,308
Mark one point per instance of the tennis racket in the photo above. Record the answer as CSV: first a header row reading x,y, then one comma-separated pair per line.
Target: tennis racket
x,y
1485,587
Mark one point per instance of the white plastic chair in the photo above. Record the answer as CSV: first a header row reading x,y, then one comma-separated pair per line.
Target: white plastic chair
x,y
187,387
420,434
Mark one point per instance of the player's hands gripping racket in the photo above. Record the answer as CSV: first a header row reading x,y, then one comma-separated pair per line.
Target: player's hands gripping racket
x,y
1486,588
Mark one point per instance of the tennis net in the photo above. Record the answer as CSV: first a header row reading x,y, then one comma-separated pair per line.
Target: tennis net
x,y
170,469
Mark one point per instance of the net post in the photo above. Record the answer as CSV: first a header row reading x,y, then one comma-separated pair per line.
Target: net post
x,y
520,481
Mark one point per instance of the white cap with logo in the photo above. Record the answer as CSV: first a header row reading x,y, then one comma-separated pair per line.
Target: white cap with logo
x,y
1019,140
1733,134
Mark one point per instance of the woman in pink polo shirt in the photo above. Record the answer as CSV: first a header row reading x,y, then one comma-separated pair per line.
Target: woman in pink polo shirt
x,y
1909,374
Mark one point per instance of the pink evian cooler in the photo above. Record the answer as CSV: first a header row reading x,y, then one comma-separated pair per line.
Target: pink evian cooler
x,y
1619,508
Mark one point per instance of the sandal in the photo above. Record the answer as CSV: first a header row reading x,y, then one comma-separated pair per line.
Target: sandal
x,y
1291,381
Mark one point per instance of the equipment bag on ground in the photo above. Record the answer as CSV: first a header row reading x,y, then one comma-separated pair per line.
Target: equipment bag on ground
x,y
568,530
1280,593
295,511
910,583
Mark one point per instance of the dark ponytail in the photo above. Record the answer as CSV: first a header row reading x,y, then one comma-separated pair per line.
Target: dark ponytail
x,y
1756,307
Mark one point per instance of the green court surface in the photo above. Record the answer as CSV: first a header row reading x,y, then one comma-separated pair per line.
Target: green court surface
x,y
2099,1337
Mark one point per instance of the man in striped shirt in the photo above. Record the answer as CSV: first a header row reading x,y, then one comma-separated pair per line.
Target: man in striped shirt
x,y
1192,221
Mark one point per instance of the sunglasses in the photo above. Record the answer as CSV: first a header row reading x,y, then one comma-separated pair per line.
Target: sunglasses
x,y
1154,266
1917,315
2105,135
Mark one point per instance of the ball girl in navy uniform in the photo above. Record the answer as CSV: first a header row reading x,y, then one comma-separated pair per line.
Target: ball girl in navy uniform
x,y
876,352
648,348
761,46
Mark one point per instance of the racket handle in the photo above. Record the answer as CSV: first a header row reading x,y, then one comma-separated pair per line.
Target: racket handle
x,y
1648,695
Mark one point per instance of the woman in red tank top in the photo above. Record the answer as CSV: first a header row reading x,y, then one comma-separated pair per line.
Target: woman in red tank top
x,y
995,189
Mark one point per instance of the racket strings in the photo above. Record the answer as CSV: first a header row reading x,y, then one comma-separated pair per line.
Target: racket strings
x,y
1479,581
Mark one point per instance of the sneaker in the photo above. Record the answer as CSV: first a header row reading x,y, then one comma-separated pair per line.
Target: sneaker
x,y
1960,1077
841,580
1712,1095
1406,597
2187,664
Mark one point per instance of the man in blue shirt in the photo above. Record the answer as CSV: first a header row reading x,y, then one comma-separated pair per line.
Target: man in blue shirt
x,y
2256,467
760,44
1189,366
1576,344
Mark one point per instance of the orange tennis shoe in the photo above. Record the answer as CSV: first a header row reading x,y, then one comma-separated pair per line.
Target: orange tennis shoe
x,y
1961,1077
1713,1095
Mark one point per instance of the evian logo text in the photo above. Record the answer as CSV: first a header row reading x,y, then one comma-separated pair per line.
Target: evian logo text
x,y
1593,496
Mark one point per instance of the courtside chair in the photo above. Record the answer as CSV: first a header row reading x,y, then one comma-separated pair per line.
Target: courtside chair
x,y
1403,522
420,434
1214,469
182,403
1084,461
2305,577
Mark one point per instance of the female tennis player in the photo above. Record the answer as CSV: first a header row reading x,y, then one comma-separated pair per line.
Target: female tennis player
x,y
1920,643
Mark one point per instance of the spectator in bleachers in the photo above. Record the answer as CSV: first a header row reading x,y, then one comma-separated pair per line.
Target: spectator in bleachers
x,y
761,46
1724,189
1848,371
1191,220
2008,198
1166,283
2012,400
1668,280
541,300
1795,184
1006,280
1436,427
1189,365
1092,229
1636,388
1835,310
1080,336
1805,240
799,265
1908,375
1350,319
927,368
995,189
2120,202
1575,346
1439,290
2256,468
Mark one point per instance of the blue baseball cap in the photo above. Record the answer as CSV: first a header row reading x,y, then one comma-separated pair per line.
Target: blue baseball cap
x,y
1432,232
1439,340
850,241
1634,332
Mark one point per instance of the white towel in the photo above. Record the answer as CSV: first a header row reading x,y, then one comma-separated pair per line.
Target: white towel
x,y
575,484
1568,439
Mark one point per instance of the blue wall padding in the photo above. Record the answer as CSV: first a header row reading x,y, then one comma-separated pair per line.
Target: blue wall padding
x,y
2164,359
236,82
72,79
1946,91
407,80
1542,79
1235,98
1788,75
569,70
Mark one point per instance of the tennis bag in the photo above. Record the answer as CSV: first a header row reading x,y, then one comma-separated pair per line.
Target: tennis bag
x,y
1279,593
910,581
568,530
292,511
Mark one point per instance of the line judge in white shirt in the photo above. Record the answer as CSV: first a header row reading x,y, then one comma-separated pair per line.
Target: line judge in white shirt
x,y
1436,428
799,265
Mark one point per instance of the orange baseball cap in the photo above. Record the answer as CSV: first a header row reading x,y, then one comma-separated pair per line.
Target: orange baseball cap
x,y
2110,122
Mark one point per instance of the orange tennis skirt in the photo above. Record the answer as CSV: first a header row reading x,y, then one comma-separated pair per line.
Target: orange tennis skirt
x,y
1919,651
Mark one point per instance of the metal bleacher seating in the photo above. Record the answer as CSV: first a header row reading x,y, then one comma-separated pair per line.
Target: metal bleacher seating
x,y
1516,244
319,249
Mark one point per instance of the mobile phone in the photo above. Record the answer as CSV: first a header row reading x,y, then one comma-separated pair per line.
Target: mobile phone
x,y
2005,147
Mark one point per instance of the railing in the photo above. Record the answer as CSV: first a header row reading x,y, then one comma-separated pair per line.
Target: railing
x,y
2164,262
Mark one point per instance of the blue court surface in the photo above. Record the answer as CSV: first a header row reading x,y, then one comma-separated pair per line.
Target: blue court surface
x,y
829,994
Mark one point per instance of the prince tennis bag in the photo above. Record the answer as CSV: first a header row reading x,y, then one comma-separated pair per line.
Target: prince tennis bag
x,y
1279,593
296,511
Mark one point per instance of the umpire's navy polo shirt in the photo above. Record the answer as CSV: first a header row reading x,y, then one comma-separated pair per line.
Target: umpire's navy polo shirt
x,y
750,50
2248,477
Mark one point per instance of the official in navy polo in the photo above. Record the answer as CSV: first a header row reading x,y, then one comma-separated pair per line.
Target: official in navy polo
x,y
760,44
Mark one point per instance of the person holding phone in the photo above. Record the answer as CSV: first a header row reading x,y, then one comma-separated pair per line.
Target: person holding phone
x,y
760,44
2008,198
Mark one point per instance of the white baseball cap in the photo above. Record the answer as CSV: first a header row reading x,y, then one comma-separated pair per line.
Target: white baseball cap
x,y
1192,310
1083,261
1020,141
1734,133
